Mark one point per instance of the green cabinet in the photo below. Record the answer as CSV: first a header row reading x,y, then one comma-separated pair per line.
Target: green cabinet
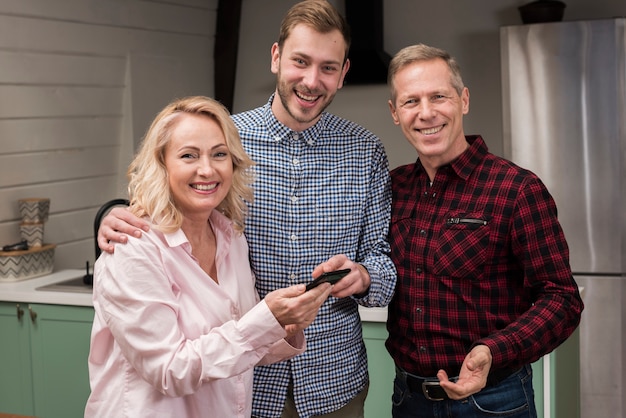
x,y
43,359
15,364
381,371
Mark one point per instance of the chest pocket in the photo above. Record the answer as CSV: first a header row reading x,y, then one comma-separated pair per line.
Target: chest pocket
x,y
462,245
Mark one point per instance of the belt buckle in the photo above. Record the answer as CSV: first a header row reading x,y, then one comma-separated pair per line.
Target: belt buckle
x,y
433,391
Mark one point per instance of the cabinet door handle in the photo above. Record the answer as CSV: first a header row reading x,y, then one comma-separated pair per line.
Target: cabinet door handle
x,y
33,314
20,312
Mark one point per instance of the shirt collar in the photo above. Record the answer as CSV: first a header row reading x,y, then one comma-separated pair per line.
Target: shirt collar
x,y
222,227
280,133
465,163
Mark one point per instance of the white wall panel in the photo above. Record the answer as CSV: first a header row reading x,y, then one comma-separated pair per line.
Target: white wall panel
x,y
50,68
189,16
68,164
80,81
74,37
25,135
59,101
65,196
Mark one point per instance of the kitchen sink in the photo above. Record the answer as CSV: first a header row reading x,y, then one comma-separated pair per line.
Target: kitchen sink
x,y
75,285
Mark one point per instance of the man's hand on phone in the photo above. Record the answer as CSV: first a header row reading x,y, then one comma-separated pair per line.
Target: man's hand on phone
x,y
331,277
357,282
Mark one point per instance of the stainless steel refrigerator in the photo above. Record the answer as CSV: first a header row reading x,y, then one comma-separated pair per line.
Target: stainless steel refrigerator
x,y
564,107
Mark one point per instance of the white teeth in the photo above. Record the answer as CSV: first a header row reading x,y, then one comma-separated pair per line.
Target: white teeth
x,y
307,98
204,187
431,130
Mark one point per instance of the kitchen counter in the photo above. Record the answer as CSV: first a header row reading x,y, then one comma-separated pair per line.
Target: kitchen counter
x,y
373,314
25,291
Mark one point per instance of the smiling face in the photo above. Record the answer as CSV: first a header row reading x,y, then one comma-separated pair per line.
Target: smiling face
x,y
309,70
430,112
199,165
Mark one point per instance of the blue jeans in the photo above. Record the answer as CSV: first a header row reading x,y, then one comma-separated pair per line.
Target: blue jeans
x,y
511,398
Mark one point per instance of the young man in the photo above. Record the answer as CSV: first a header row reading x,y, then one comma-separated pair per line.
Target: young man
x,y
484,283
322,202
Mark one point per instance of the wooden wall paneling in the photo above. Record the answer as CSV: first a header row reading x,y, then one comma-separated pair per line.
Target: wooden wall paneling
x,y
72,255
72,37
28,135
65,196
197,19
70,226
60,228
195,3
71,102
59,101
180,16
47,167
41,68
155,81
10,233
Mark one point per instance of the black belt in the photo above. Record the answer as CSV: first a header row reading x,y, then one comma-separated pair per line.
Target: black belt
x,y
432,390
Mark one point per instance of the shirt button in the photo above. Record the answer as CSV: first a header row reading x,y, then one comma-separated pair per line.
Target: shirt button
x,y
423,232
418,310
296,161
423,349
292,276
294,199
418,270
293,237
295,136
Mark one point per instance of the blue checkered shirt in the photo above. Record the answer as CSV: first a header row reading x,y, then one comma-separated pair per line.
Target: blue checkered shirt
x,y
318,193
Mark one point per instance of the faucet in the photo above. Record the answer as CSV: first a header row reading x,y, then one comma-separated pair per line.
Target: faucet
x,y
104,209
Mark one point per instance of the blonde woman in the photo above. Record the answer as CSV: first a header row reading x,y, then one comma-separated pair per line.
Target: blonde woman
x,y
179,325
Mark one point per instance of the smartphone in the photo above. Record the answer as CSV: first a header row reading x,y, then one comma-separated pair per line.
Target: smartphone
x,y
331,277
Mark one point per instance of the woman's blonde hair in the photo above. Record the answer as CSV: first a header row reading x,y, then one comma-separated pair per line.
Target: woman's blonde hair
x,y
148,186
